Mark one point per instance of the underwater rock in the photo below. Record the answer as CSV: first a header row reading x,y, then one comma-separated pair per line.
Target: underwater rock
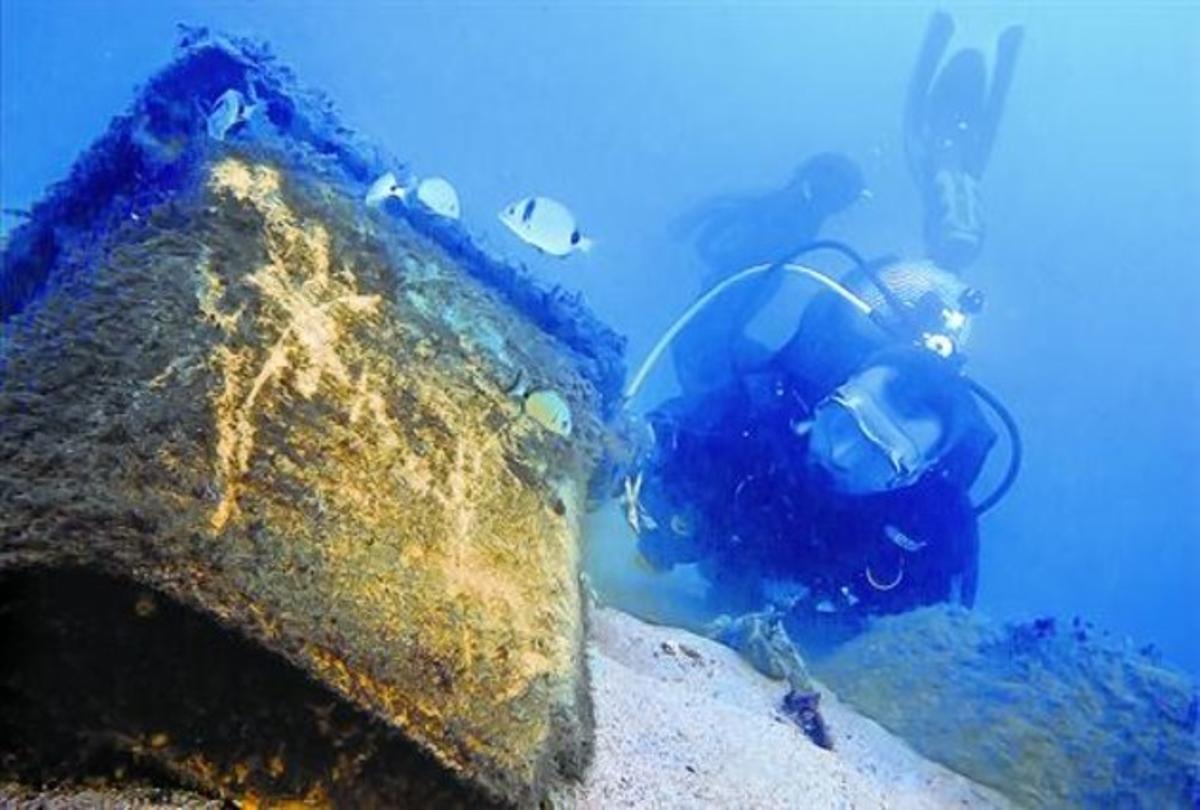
x,y
805,710
763,641
1052,719
224,380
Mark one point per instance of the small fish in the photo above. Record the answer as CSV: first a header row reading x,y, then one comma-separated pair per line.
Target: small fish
x,y
879,584
436,194
546,224
549,410
635,514
385,186
229,110
433,193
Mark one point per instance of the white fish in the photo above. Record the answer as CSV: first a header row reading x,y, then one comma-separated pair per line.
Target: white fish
x,y
549,410
385,186
546,224
229,110
434,193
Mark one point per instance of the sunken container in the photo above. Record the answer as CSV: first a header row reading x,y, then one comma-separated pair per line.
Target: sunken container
x,y
274,521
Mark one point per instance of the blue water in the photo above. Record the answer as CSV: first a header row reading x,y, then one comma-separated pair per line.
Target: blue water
x,y
633,114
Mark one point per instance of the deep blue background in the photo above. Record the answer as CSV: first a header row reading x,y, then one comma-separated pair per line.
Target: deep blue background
x,y
632,114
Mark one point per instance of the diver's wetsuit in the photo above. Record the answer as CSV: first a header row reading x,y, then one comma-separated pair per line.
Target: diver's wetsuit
x,y
730,486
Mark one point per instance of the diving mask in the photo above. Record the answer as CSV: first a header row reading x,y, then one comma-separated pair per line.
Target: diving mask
x,y
864,443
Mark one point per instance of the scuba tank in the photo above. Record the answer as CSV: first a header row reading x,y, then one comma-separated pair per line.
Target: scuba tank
x,y
937,303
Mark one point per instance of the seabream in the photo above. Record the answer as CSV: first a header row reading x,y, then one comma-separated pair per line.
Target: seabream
x,y
230,109
385,186
435,194
549,410
546,224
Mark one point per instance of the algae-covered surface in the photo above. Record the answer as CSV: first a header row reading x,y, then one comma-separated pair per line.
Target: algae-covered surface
x,y
1051,716
173,699
226,381
255,416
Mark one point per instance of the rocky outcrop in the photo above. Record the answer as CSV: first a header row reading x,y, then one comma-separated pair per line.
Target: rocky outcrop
x,y
1051,716
224,380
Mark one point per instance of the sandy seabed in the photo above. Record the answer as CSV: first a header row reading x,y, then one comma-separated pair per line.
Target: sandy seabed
x,y
684,722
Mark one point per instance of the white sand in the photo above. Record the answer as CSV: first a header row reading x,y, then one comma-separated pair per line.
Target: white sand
x,y
684,722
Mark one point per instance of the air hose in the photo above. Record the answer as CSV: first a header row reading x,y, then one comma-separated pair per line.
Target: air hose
x,y
890,297
897,306
1016,450
695,309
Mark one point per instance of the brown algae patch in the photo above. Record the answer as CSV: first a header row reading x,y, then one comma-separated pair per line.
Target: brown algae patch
x,y
378,490
305,304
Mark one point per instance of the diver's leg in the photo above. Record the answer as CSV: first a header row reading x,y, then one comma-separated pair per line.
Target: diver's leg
x,y
1007,48
937,37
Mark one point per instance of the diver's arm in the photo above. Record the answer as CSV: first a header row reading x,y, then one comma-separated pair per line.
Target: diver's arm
x,y
1007,48
937,37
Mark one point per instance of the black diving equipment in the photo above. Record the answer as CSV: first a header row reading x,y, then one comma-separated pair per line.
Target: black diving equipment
x,y
867,445
915,323
930,324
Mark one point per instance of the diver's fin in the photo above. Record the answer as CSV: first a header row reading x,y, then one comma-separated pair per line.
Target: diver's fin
x,y
1008,46
937,37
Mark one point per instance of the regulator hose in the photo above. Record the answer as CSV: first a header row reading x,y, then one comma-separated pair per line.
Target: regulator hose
x,y
1016,449
987,397
860,264
683,320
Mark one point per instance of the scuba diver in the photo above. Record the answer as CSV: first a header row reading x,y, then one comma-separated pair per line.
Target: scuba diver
x,y
830,477
950,123
837,478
